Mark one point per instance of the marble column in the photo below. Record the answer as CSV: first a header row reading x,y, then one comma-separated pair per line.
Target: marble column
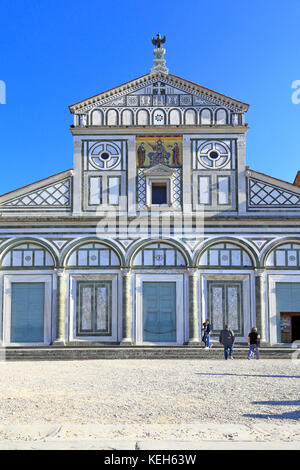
x,y
260,303
126,310
60,307
193,306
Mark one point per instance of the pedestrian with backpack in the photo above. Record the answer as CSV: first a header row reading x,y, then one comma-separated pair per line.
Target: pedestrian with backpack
x,y
227,340
253,343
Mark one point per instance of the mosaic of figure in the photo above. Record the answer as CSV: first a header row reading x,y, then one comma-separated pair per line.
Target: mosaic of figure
x,y
141,152
153,151
159,154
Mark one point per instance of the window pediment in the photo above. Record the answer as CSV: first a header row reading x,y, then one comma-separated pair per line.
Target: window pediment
x,y
159,171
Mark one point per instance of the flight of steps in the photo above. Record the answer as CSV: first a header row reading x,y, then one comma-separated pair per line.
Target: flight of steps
x,y
138,352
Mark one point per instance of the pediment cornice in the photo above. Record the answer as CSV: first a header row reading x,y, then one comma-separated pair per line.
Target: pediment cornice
x,y
207,96
159,170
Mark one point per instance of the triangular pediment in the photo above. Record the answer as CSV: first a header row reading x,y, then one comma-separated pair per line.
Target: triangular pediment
x,y
159,170
161,90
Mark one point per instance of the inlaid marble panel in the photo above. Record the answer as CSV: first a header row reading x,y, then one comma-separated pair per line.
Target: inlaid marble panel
x,y
233,307
217,308
86,309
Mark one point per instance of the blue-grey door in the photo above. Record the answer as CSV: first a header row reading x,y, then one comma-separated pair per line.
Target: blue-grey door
x,y
159,312
27,312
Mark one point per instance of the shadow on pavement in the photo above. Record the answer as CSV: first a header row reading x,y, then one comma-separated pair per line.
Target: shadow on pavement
x,y
295,415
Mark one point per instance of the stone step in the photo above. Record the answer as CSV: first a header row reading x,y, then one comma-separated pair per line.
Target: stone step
x,y
82,353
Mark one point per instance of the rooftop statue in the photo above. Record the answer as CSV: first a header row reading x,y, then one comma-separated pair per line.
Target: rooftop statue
x,y
158,41
159,52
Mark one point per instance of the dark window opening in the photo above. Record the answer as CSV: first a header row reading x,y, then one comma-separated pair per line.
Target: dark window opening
x,y
159,193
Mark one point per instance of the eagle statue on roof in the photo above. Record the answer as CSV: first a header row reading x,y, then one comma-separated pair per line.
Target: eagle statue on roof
x,y
158,41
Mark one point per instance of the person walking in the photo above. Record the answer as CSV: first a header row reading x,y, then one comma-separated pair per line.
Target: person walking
x,y
206,334
253,343
227,340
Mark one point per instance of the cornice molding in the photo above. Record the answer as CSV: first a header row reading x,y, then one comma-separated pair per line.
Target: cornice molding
x,y
134,85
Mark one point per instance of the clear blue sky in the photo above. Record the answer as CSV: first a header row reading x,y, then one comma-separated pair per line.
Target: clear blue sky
x,y
55,53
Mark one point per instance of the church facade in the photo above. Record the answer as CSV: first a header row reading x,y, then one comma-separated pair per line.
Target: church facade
x,y
159,225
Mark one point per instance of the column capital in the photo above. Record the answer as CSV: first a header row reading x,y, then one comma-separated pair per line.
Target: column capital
x,y
126,272
259,272
59,272
192,271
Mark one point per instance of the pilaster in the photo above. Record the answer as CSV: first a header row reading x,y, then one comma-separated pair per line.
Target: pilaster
x,y
193,306
126,311
60,307
260,302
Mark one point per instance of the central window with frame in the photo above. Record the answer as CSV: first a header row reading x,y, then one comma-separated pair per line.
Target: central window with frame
x,y
94,311
159,193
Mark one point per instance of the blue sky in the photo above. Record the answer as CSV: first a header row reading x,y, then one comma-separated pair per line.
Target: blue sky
x,y
53,54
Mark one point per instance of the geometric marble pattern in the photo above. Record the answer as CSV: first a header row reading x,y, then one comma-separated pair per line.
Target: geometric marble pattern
x,y
177,188
141,189
55,195
263,194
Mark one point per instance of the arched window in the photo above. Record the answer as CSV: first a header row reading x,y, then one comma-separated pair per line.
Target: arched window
x,y
112,117
205,117
127,118
142,117
159,254
287,256
221,117
28,255
225,255
93,255
174,117
159,117
190,117
97,118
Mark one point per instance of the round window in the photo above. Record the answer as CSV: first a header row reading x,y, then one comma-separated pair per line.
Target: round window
x,y
213,155
105,156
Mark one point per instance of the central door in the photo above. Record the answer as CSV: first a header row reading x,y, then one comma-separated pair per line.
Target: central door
x,y
159,312
94,311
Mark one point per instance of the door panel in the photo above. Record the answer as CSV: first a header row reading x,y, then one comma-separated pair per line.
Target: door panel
x,y
225,306
159,311
27,312
94,311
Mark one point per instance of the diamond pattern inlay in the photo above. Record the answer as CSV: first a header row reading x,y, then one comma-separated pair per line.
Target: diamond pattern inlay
x,y
262,194
56,195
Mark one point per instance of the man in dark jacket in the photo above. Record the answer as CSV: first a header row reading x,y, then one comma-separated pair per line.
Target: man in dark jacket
x,y
227,339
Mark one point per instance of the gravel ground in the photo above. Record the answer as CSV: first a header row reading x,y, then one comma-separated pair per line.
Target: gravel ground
x,y
149,392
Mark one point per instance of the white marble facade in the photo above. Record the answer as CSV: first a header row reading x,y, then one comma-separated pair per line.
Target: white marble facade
x,y
96,239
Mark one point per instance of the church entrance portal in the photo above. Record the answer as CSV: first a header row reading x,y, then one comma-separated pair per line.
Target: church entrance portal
x,y
290,326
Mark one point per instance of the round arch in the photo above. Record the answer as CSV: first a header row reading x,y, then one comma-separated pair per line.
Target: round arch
x,y
273,245
69,249
112,117
224,116
142,117
160,116
206,117
190,117
140,245
15,242
231,240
